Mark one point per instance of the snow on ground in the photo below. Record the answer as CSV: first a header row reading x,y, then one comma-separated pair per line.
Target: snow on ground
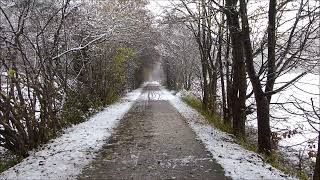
x,y
300,93
64,157
287,117
237,162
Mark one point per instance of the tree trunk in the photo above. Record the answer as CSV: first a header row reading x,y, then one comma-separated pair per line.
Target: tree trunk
x,y
229,83
271,76
316,173
205,85
238,95
204,55
224,115
219,59
264,132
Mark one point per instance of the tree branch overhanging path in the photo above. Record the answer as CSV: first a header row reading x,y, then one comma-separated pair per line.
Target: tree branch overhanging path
x,y
70,67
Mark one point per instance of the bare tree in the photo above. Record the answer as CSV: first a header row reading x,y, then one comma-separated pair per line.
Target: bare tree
x,y
53,52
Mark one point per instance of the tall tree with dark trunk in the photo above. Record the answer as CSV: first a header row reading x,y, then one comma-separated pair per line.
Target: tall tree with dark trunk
x,y
271,72
263,111
221,72
238,94
316,173
205,52
275,65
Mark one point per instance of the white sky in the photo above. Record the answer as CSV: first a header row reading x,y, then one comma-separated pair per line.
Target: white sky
x,y
157,7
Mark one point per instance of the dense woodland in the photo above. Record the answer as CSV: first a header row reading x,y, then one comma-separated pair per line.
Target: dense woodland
x,y
243,47
63,60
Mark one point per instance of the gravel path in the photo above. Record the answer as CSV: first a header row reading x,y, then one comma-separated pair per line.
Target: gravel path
x,y
153,141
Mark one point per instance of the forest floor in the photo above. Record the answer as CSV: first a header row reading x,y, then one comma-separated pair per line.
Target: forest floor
x,y
149,134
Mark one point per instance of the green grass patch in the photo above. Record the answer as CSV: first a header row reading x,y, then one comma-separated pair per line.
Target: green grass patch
x,y
4,165
278,162
216,121
246,145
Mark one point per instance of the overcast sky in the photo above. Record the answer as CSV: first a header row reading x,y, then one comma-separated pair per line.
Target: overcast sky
x,y
157,7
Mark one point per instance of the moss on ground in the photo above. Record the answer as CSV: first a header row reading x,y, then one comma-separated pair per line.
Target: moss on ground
x,y
216,121
6,163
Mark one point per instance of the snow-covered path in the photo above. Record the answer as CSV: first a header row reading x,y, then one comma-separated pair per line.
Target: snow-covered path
x,y
153,141
66,156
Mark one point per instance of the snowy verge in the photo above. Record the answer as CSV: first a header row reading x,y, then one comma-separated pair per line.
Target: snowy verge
x,y
64,157
237,162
